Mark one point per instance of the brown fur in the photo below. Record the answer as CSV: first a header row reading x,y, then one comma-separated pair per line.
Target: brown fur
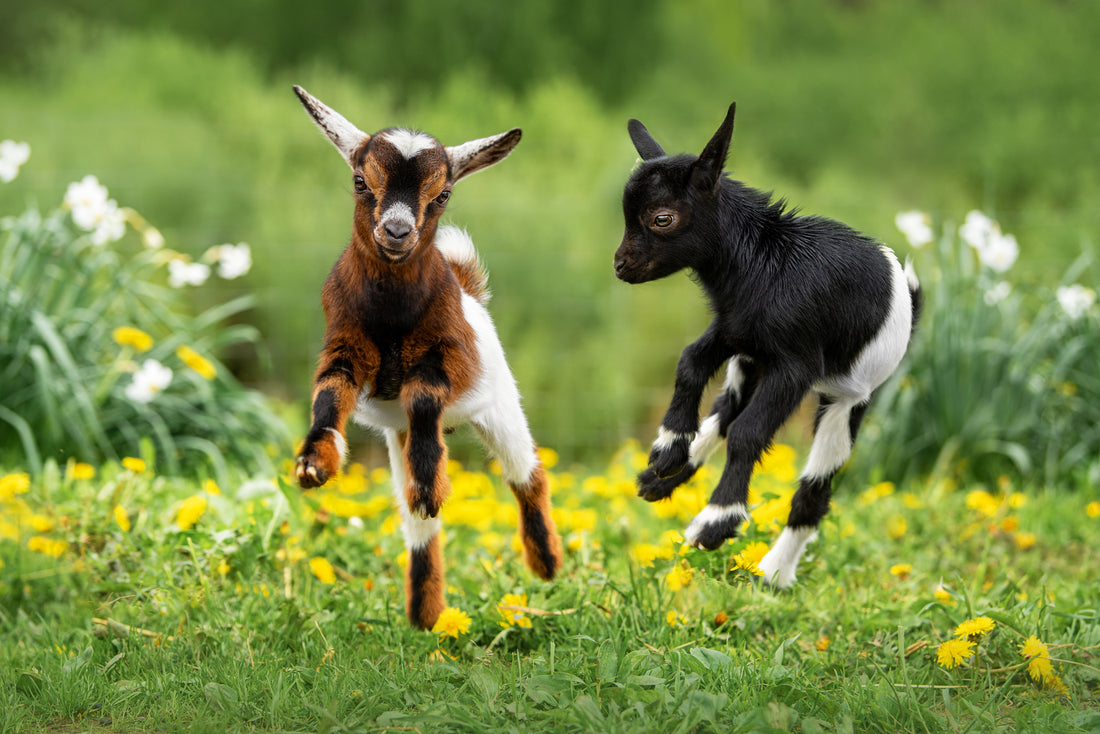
x,y
424,585
541,542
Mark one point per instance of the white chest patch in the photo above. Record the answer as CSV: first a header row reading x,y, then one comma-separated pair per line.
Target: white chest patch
x,y
409,142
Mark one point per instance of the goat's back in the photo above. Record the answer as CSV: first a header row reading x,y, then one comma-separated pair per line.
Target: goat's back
x,y
458,250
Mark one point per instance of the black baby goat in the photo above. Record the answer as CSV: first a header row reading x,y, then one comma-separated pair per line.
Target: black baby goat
x,y
800,304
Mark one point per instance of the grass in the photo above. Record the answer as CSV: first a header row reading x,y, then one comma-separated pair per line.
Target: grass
x,y
132,601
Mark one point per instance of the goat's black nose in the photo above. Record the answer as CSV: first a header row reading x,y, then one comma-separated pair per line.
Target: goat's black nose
x,y
397,231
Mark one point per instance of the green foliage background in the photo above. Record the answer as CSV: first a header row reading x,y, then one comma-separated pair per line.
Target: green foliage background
x,y
852,110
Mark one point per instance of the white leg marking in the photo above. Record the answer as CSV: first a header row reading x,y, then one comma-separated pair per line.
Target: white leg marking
x,y
712,515
665,438
418,531
706,441
781,562
832,443
341,444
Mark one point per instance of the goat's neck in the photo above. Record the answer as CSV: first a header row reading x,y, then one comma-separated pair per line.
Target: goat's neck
x,y
403,291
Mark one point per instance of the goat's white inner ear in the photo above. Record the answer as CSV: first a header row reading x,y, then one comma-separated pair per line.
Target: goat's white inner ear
x,y
474,155
347,138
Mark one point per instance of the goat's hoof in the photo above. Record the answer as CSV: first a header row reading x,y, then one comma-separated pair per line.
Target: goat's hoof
x,y
652,488
713,526
423,503
668,461
309,474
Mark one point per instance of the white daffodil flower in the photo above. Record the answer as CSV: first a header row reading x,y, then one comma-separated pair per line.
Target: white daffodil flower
x,y
12,156
151,379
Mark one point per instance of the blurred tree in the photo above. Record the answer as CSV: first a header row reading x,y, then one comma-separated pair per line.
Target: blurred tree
x,y
409,46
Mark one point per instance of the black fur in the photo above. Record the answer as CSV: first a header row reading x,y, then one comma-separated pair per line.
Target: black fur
x,y
797,297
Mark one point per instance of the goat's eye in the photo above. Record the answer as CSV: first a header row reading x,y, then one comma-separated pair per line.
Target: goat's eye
x,y
360,184
663,220
442,198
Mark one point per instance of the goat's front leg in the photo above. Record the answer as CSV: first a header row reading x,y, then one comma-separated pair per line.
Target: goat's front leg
x,y
740,382
776,397
424,394
340,376
698,363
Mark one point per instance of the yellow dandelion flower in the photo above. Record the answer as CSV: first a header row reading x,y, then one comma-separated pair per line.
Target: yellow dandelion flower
x,y
773,512
1038,667
750,556
679,577
452,622
211,487
675,619
896,527
224,568
323,570
644,554
822,644
982,502
197,362
1016,500
40,523
122,518
42,544
778,462
128,336
1092,509
582,520
670,538
901,570
492,542
953,652
80,470
1010,524
974,628
513,618
134,464
912,501
190,510
13,484
548,457
1025,541
943,596
575,542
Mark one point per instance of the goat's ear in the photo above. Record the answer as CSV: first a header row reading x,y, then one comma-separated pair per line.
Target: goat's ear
x,y
707,170
347,138
474,155
647,147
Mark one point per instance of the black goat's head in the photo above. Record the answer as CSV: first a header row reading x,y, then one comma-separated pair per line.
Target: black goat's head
x,y
402,178
668,204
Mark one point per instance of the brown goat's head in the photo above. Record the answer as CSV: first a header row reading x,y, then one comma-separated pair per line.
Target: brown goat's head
x,y
402,178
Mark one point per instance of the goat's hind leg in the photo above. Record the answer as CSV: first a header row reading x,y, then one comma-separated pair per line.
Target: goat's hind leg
x,y
424,575
736,391
506,436
772,401
835,428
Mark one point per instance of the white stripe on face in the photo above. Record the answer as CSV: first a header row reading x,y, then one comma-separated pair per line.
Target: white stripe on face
x,y
408,142
399,211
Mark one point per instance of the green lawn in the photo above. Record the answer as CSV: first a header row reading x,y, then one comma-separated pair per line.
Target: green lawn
x,y
132,601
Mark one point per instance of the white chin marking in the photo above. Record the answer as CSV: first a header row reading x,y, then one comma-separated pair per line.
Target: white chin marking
x,y
341,444
712,515
409,142
781,562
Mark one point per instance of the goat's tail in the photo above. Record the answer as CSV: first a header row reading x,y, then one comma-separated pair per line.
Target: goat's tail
x,y
915,292
458,249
